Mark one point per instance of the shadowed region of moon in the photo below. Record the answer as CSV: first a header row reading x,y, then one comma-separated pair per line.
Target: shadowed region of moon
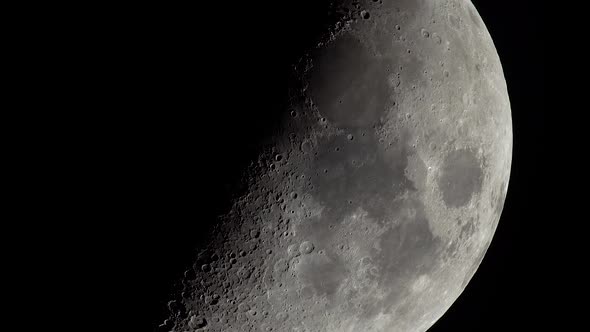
x,y
374,204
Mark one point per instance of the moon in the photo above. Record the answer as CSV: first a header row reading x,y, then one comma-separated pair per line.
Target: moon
x,y
375,204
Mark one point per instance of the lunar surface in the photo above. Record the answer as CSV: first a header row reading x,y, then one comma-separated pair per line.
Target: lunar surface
x,y
374,207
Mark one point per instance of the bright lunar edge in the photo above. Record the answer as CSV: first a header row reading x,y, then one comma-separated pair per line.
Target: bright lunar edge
x,y
375,206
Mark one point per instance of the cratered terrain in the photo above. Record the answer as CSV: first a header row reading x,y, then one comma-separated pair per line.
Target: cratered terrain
x,y
375,206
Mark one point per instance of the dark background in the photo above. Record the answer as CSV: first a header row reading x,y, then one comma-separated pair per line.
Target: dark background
x,y
200,86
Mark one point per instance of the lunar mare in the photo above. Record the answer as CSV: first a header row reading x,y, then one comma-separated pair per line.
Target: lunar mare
x,y
374,208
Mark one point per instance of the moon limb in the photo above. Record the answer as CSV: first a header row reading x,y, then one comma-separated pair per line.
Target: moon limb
x,y
378,212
